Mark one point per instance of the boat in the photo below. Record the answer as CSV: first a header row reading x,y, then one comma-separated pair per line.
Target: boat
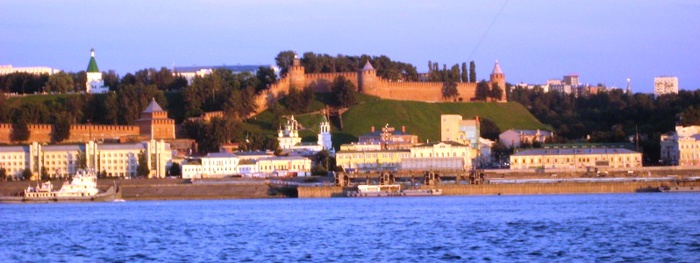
x,y
679,189
82,188
390,191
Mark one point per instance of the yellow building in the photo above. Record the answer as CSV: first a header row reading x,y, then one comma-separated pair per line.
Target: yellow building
x,y
575,158
448,155
454,128
371,160
682,146
282,165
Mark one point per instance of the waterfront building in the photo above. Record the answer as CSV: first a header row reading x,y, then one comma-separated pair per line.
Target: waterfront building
x,y
484,156
449,155
94,83
8,69
284,165
375,160
213,165
357,146
389,138
118,160
681,147
575,158
514,138
454,128
665,85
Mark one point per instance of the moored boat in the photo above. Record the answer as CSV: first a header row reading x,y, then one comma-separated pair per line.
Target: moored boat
x,y
82,188
390,190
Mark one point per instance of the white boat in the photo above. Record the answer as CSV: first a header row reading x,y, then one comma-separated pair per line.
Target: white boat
x,y
390,190
83,187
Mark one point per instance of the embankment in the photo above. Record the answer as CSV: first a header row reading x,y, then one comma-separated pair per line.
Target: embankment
x,y
508,189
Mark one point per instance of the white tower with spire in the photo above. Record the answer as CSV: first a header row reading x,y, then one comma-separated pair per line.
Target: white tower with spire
x,y
324,134
94,83
629,87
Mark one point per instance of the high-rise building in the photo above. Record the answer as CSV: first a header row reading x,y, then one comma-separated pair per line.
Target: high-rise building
x,y
665,85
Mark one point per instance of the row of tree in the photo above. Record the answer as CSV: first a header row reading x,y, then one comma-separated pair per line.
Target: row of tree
x,y
435,74
324,63
612,116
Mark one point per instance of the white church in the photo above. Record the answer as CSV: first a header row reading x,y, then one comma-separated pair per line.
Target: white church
x,y
94,83
290,142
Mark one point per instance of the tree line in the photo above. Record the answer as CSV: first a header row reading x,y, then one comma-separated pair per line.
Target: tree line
x,y
324,63
612,116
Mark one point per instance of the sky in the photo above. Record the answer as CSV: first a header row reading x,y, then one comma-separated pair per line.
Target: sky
x,y
602,41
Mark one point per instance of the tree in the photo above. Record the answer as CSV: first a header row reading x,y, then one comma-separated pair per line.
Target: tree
x,y
111,79
3,174
175,169
82,160
20,130
343,92
285,60
690,116
60,82
298,101
489,129
61,127
449,90
142,169
26,175
482,90
465,74
266,77
496,92
44,174
472,72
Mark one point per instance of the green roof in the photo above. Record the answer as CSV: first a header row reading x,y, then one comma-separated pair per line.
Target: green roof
x,y
92,66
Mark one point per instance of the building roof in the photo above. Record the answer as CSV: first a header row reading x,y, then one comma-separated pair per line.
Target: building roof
x,y
530,132
569,151
234,69
221,155
372,151
368,66
253,153
92,66
453,143
153,107
9,149
64,147
497,68
120,146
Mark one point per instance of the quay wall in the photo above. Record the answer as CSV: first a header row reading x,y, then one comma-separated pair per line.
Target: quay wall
x,y
510,189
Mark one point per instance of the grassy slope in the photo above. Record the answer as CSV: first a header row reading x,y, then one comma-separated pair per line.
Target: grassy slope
x,y
423,119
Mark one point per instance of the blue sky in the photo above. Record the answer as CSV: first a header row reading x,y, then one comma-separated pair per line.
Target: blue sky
x,y
603,41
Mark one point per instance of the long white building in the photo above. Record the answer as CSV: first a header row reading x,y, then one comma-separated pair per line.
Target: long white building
x,y
8,69
219,165
119,160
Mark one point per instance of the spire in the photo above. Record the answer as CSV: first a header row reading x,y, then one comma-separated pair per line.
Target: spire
x,y
92,66
153,107
497,69
368,66
629,86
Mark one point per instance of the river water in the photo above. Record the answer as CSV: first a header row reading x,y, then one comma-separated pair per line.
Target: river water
x,y
653,227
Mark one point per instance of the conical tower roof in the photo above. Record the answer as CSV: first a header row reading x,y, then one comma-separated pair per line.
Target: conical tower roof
x,y
92,66
368,66
497,69
153,107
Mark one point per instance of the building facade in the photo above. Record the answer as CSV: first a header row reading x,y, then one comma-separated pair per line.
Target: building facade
x,y
454,128
575,158
514,138
444,156
681,147
389,138
114,160
665,85
8,69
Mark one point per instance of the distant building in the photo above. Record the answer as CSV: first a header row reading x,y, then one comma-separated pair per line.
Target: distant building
x,y
290,142
190,73
214,165
665,85
389,138
374,160
514,138
454,128
94,83
220,165
8,69
681,147
575,158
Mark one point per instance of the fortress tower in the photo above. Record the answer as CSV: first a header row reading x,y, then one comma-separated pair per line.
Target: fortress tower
x,y
367,79
94,83
155,124
297,74
499,78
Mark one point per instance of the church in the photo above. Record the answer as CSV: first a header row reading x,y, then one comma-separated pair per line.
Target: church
x,y
290,141
95,83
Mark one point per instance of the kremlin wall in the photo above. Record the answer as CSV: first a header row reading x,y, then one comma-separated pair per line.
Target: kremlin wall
x,y
367,82
153,124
